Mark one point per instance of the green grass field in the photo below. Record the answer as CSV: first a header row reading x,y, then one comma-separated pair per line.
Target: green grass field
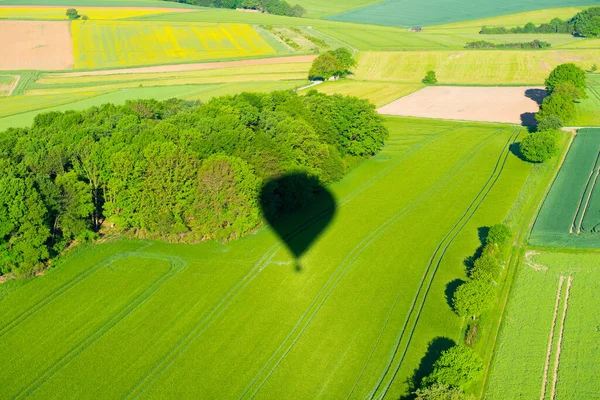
x,y
318,9
377,93
486,67
519,366
587,109
145,317
98,3
435,12
571,210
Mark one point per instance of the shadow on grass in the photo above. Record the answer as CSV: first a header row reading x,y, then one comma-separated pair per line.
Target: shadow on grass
x,y
298,208
515,148
434,350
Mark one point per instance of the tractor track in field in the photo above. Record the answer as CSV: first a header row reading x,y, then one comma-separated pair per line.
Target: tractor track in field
x,y
343,268
461,223
176,265
58,292
224,301
588,188
560,338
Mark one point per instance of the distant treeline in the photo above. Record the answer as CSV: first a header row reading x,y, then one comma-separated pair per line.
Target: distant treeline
x,y
585,23
277,7
174,170
482,44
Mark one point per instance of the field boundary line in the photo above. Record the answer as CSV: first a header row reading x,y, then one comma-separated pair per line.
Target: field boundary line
x,y
463,220
560,338
359,249
523,234
551,338
13,86
176,265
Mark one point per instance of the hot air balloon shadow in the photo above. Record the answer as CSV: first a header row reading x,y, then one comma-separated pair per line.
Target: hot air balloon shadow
x,y
298,208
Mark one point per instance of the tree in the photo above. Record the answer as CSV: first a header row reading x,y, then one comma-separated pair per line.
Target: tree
x,y
430,78
566,73
485,268
332,63
557,105
569,90
587,22
473,298
499,234
458,367
72,13
549,123
440,391
540,146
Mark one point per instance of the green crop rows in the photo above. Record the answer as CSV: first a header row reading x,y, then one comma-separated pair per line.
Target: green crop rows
x,y
434,12
570,215
134,318
525,359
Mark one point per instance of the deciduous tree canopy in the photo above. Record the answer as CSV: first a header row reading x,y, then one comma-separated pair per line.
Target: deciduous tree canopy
x,y
173,170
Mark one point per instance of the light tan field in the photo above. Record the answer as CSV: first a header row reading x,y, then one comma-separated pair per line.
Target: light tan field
x,y
39,45
489,104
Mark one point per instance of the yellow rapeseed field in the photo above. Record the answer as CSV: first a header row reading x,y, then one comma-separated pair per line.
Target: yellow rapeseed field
x,y
110,44
59,13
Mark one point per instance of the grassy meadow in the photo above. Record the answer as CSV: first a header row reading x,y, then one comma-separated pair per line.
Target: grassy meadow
x,y
378,93
58,13
485,67
523,351
355,321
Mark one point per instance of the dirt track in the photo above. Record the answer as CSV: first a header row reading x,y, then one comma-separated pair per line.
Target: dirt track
x,y
192,67
489,104
39,45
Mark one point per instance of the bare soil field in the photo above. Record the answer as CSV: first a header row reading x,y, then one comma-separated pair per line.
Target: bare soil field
x,y
489,104
191,67
39,45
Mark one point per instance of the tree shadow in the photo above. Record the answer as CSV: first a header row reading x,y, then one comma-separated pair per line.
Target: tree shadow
x,y
515,148
528,120
451,289
434,351
298,208
537,95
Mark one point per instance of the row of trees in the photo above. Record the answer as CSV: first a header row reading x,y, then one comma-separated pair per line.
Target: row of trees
x,y
482,44
174,170
585,23
565,85
333,63
277,7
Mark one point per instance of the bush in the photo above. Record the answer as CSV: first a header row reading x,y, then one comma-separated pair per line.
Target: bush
x,y
72,13
430,78
549,123
557,105
440,391
85,17
566,73
499,234
458,366
486,268
473,298
539,147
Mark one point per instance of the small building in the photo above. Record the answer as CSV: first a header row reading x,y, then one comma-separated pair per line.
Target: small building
x,y
416,29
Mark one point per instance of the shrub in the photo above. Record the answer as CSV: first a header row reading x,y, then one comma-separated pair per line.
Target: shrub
x,y
549,123
539,147
85,17
458,366
430,78
594,68
486,268
566,73
72,13
473,298
499,234
557,105
440,391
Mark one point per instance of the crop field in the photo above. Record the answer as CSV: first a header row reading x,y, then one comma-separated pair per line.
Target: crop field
x,y
551,329
436,12
110,44
318,9
7,83
377,93
571,212
355,322
489,67
95,13
587,110
97,3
